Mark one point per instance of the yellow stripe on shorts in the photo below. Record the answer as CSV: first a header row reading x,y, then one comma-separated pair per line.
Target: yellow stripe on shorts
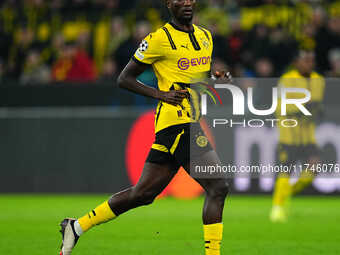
x,y
174,146
159,147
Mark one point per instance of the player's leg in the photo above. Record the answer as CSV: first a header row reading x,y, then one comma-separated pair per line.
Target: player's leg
x,y
312,156
154,178
282,188
216,191
281,195
305,179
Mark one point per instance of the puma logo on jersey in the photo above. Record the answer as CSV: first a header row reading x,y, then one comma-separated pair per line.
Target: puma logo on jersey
x,y
185,46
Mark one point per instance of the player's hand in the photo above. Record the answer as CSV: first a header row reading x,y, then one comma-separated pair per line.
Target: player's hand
x,y
174,97
223,75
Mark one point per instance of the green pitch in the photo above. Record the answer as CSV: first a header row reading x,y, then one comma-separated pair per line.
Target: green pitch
x,y
29,225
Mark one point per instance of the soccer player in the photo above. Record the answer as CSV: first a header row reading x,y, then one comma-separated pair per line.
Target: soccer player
x,y
180,55
298,144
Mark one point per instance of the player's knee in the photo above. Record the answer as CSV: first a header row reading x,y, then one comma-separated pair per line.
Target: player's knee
x,y
148,198
144,197
223,189
219,190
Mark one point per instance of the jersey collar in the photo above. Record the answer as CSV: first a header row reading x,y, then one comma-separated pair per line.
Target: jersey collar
x,y
180,29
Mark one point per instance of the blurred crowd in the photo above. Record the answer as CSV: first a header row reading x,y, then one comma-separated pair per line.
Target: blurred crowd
x,y
89,41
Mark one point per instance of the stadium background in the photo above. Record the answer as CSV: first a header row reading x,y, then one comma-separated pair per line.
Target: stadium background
x,y
62,115
67,129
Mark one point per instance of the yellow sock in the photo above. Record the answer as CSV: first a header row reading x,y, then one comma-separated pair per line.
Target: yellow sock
x,y
282,190
100,214
305,180
213,237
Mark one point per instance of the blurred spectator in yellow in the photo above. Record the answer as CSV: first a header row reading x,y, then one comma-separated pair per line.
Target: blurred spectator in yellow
x,y
118,34
58,43
23,41
307,38
152,12
35,72
243,30
215,13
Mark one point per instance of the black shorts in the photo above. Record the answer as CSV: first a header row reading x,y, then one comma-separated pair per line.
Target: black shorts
x,y
176,144
291,154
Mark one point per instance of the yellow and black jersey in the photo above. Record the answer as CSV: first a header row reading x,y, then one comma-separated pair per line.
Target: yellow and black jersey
x,y
304,132
178,58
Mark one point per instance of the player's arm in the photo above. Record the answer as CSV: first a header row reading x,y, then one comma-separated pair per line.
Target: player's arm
x,y
315,106
288,80
128,80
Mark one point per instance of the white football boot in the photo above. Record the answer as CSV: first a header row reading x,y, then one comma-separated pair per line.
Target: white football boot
x,y
70,237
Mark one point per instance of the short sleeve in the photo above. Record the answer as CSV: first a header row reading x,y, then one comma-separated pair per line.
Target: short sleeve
x,y
318,88
286,82
149,50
